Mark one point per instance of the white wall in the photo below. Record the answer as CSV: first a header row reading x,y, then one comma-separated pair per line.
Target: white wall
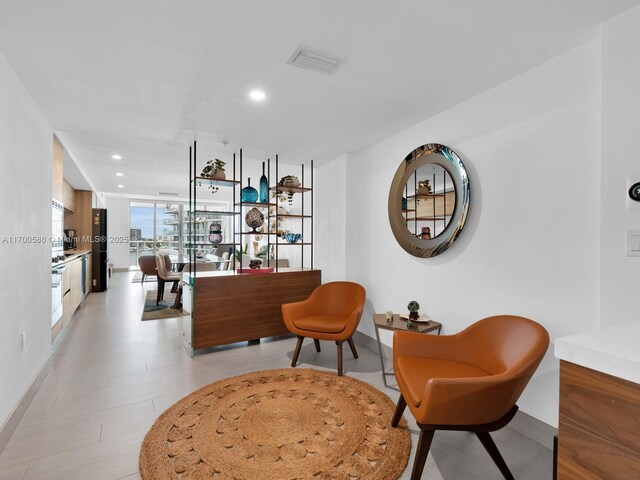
x,y
330,219
531,245
25,196
118,227
620,159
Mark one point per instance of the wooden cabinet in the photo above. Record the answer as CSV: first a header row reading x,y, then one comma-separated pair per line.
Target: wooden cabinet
x,y
228,307
57,179
80,218
75,281
88,276
68,196
599,424
71,289
66,297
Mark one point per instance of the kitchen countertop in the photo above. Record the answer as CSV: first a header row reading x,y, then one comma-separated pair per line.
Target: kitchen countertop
x,y
613,350
74,254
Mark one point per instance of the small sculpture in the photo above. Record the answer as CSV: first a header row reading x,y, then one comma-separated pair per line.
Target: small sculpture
x,y
254,219
215,232
413,308
255,263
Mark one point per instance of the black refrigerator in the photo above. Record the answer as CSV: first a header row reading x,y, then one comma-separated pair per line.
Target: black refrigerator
x,y
99,250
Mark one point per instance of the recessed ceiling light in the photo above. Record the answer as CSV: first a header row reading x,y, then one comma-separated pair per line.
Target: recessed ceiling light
x,y
116,156
257,95
120,186
119,174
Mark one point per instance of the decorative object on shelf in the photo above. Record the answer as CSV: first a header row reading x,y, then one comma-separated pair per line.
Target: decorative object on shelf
x,y
260,270
214,169
424,187
413,308
272,252
425,233
215,232
404,204
264,187
238,253
255,263
249,194
255,247
293,237
389,316
289,181
254,218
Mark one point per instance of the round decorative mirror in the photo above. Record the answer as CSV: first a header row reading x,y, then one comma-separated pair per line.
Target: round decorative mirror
x,y
429,200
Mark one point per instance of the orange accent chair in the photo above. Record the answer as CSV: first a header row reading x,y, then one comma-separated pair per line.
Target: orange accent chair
x,y
332,312
469,381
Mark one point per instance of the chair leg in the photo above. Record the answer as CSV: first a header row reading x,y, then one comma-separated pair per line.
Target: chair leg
x,y
317,344
160,290
353,348
402,404
490,447
297,351
424,444
339,344
143,275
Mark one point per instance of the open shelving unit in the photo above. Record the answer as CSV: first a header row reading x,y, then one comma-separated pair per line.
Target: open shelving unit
x,y
240,231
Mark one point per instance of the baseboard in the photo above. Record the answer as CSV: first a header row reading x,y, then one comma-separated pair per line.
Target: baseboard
x,y
14,419
533,428
523,423
362,339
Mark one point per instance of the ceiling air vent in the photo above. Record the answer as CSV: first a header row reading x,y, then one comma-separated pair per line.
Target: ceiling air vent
x,y
310,59
169,194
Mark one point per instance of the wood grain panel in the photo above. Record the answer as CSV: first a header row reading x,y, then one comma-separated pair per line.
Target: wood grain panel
x,y
57,178
68,196
235,308
599,425
80,218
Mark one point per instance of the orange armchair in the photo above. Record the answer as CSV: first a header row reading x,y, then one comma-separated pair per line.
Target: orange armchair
x,y
469,381
332,312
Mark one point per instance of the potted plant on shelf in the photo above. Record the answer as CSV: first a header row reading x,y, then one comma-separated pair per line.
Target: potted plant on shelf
x,y
214,169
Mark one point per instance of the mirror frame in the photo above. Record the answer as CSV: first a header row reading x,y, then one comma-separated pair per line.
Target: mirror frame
x,y
436,154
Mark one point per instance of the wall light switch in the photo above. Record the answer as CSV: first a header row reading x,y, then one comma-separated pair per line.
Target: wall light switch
x,y
633,243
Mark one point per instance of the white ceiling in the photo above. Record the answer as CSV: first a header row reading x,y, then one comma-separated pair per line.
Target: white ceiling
x,y
144,78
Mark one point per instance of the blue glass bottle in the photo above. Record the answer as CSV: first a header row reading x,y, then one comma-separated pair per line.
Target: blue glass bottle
x,y
249,194
264,187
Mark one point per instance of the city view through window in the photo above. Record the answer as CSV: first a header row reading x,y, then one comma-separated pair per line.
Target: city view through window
x,y
155,226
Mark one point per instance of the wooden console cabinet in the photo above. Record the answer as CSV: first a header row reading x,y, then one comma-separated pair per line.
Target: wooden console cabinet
x,y
228,307
598,433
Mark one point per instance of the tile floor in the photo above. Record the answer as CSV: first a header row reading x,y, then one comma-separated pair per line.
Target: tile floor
x,y
112,376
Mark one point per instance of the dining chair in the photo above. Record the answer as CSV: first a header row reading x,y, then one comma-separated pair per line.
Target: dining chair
x,y
332,312
165,275
147,264
469,381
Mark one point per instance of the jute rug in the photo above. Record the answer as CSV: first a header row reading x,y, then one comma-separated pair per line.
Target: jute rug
x,y
278,425
163,309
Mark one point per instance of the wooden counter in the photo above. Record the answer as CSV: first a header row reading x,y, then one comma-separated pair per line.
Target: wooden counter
x,y
228,307
599,404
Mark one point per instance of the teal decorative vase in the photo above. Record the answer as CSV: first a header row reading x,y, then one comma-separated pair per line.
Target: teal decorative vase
x,y
249,194
264,187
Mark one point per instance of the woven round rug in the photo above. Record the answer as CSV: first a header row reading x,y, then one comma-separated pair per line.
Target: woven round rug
x,y
278,425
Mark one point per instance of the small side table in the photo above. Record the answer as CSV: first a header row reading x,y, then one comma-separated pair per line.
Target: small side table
x,y
380,322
